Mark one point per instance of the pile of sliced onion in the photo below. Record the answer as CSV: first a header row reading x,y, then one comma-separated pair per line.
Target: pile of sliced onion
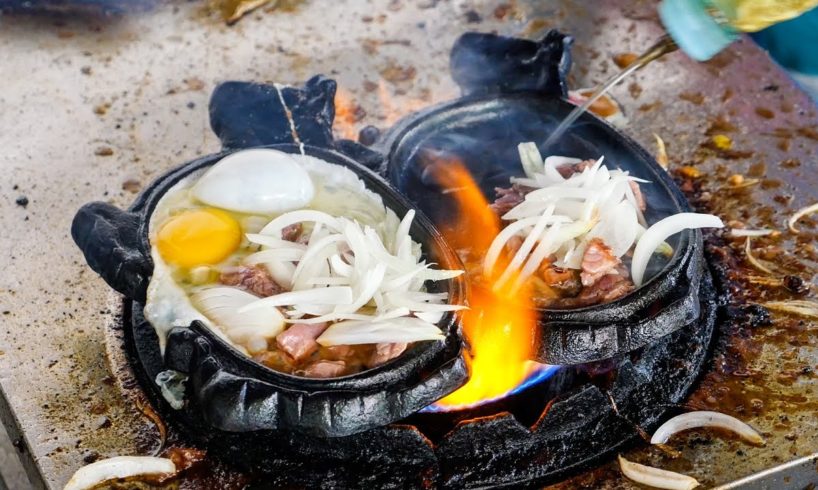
x,y
120,467
369,286
561,216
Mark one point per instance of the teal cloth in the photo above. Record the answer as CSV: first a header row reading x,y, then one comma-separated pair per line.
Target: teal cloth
x,y
794,43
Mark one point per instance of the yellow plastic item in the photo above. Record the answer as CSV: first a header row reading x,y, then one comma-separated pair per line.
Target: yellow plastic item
x,y
754,15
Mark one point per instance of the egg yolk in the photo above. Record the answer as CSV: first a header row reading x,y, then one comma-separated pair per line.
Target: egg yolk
x,y
197,237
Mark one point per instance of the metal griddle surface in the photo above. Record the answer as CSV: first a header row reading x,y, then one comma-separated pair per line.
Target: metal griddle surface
x,y
95,109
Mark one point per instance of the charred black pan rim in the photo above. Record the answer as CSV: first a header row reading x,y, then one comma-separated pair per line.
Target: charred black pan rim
x,y
236,393
668,301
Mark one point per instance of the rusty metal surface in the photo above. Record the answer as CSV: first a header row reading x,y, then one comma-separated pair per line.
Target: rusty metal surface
x,y
95,109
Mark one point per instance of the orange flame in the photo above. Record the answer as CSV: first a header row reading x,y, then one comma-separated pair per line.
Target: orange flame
x,y
347,115
500,323
393,109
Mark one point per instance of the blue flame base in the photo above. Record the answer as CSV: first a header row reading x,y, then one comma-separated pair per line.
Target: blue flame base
x,y
542,373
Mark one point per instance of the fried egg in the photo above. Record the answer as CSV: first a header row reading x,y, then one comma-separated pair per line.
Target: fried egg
x,y
198,227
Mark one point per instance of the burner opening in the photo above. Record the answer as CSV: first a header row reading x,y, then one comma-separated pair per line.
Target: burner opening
x,y
526,403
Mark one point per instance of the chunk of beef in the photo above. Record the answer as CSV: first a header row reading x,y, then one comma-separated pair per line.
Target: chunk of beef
x,y
255,279
291,232
637,193
338,352
299,340
324,369
570,169
276,360
565,281
597,261
508,198
608,288
386,352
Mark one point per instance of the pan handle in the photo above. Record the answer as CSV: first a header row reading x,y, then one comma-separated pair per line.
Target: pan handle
x,y
484,63
111,243
226,401
245,114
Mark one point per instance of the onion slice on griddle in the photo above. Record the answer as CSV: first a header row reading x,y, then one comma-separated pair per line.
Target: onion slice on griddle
x,y
743,232
748,252
800,214
799,307
660,231
705,418
654,477
119,467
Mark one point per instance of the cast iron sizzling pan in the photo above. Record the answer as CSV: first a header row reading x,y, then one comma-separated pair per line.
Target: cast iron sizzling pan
x,y
228,390
514,91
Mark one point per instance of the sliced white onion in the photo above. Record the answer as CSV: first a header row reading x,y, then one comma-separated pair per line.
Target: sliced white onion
x,y
430,316
660,231
118,467
661,152
705,418
225,307
274,255
338,295
530,158
748,251
524,181
418,304
654,477
328,281
275,226
558,161
315,259
370,283
281,272
742,232
555,193
528,245
800,307
551,241
526,209
346,271
496,247
800,214
273,241
334,317
404,329
617,228
664,248
402,233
